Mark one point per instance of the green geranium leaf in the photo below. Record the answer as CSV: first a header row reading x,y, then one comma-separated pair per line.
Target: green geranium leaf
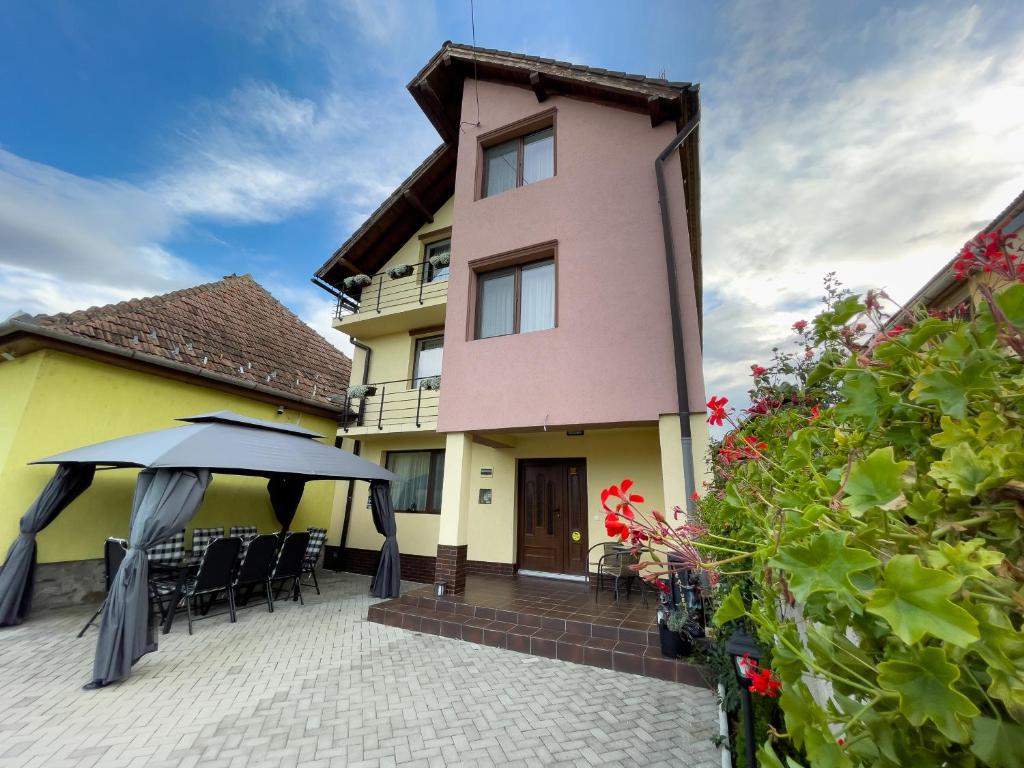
x,y
966,559
965,471
865,398
915,601
1011,302
874,481
924,684
824,565
998,744
944,388
731,608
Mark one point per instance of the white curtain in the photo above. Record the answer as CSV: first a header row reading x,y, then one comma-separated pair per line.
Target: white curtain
x,y
538,156
409,491
497,304
429,353
537,308
501,168
436,249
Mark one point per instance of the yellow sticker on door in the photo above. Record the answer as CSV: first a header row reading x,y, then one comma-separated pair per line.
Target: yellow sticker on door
x,y
576,536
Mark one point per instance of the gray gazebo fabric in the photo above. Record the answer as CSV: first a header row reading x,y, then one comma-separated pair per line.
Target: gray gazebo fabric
x,y
285,495
387,581
17,576
165,499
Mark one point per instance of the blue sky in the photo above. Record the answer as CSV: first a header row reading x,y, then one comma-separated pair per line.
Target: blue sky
x,y
146,147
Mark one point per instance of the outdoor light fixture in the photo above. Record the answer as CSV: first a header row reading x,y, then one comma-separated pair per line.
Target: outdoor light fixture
x,y
746,654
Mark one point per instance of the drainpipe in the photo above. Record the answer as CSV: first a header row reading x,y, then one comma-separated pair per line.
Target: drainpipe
x,y
682,391
367,352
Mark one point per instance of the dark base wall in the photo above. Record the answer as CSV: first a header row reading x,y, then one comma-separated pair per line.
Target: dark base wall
x,y
419,568
59,585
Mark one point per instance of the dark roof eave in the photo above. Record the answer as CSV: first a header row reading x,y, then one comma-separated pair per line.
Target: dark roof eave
x,y
10,327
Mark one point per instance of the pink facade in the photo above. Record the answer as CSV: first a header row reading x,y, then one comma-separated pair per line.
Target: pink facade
x,y
610,358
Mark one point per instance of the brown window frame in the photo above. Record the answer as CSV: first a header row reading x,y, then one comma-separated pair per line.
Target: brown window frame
x,y
518,131
516,270
434,453
416,342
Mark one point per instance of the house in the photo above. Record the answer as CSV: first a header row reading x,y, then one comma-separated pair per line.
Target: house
x,y
526,315
944,291
73,379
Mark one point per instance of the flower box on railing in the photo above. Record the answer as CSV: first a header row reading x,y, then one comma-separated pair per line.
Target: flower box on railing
x,y
402,270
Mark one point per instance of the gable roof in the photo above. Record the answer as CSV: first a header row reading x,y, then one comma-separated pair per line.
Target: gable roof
x,y
437,88
233,331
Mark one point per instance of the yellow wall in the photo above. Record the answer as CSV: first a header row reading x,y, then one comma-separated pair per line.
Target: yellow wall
x,y
611,455
73,401
417,532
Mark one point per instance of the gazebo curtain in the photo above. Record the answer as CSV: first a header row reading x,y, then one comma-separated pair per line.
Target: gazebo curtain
x,y
285,494
388,579
17,575
165,499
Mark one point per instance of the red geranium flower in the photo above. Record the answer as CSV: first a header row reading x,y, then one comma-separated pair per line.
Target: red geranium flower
x,y
815,412
616,527
762,682
758,370
694,496
799,326
717,407
625,498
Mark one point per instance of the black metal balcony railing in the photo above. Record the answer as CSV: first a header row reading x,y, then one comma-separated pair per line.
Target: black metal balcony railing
x,y
384,292
402,402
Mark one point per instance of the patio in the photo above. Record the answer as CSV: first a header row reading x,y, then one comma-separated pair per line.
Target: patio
x,y
320,686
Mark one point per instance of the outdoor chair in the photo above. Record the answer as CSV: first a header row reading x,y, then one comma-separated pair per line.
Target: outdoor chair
x,y
255,567
201,538
216,571
614,562
170,552
289,564
317,537
114,551
243,530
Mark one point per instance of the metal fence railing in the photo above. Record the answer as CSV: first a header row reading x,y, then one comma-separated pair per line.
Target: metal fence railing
x,y
423,282
402,402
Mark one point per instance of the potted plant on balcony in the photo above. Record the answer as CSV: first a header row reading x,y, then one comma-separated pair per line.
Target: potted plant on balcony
x,y
356,282
400,271
361,391
431,383
440,260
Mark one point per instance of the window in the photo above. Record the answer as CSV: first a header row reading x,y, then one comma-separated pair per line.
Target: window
x,y
428,358
433,274
516,299
521,161
420,477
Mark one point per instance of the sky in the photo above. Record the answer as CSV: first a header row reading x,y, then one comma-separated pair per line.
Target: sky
x,y
148,147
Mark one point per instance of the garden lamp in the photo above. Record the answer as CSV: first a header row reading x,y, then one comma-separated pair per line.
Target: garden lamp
x,y
746,654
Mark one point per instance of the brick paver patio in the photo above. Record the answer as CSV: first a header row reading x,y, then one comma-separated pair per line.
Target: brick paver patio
x,y
320,686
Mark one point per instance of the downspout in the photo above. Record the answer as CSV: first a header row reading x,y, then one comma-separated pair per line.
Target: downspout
x,y
367,352
678,347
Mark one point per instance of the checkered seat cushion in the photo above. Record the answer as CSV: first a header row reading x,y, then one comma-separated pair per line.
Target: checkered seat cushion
x,y
243,530
170,552
317,537
201,538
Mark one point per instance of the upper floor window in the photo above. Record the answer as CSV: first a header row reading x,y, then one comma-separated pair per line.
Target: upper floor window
x,y
427,364
437,249
516,299
520,161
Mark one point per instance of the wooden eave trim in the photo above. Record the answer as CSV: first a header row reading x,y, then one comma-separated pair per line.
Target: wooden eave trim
x,y
435,235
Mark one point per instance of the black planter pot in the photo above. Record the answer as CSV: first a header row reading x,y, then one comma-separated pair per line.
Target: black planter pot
x,y
673,645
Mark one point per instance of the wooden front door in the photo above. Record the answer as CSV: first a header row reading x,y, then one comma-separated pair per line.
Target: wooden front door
x,y
552,524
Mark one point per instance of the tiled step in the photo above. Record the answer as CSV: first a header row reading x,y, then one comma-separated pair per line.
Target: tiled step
x,y
523,632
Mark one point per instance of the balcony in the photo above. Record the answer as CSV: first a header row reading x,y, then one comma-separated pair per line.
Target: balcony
x,y
395,406
394,304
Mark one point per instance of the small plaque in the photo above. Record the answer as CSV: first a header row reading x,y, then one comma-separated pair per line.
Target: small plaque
x,y
486,471
577,536
485,495
575,433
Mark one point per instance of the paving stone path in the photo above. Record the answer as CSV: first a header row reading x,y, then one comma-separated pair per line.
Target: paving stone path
x,y
320,686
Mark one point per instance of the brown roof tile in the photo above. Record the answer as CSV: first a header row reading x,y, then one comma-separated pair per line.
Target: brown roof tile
x,y
233,327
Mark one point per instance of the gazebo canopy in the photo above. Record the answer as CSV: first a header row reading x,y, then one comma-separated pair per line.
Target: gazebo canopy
x,y
228,443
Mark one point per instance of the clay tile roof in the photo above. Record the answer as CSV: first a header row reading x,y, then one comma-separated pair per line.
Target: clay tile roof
x,y
232,327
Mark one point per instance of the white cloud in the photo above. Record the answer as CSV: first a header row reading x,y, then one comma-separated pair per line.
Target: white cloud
x,y
879,175
67,242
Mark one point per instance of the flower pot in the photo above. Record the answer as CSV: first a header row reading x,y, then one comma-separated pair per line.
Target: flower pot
x,y
673,645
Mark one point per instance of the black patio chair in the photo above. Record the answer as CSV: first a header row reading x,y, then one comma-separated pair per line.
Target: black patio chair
x,y
216,571
289,564
317,537
255,567
114,551
614,562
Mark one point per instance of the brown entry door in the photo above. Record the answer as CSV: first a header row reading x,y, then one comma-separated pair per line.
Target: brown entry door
x,y
552,522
